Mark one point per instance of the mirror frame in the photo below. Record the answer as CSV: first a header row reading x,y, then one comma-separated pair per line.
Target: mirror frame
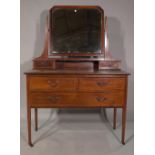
x,y
50,48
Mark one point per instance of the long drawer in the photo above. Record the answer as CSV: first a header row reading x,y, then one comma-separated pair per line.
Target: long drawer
x,y
76,99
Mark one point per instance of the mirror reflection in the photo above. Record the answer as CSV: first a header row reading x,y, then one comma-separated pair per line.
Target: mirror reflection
x,y
76,30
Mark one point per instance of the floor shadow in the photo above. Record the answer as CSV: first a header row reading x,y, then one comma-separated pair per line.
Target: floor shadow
x,y
49,120
50,131
104,118
79,110
129,138
108,124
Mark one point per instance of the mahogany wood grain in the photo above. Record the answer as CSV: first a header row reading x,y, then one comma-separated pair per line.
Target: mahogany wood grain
x,y
36,119
76,99
29,126
76,80
76,89
52,84
114,120
123,124
124,109
78,73
101,84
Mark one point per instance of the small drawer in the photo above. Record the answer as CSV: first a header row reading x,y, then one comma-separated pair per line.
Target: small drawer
x,y
42,63
101,84
52,84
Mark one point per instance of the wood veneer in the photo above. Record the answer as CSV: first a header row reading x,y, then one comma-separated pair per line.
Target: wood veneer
x,y
56,89
76,80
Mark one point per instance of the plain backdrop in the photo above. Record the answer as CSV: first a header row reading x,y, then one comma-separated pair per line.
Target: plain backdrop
x,y
121,32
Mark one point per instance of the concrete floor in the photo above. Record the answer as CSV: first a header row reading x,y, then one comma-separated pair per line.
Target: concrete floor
x,y
77,134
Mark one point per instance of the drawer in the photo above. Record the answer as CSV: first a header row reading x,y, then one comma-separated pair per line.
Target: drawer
x,y
100,99
101,84
51,99
52,84
76,99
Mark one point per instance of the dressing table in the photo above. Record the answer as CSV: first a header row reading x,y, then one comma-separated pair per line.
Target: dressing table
x,y
76,69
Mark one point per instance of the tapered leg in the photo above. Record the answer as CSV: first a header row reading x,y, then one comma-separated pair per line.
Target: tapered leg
x,y
36,119
115,115
29,126
123,124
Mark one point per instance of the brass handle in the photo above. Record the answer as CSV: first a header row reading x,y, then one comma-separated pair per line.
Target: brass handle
x,y
52,83
101,99
101,84
53,98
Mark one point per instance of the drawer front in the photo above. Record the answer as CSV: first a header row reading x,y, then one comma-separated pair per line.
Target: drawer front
x,y
51,99
101,84
100,99
52,84
76,99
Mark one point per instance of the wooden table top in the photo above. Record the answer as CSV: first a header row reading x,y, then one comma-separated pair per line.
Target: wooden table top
x,y
77,72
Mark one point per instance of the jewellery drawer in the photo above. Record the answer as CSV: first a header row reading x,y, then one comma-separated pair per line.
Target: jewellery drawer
x,y
52,84
101,84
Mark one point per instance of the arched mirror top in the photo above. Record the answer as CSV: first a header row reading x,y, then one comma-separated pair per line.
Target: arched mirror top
x,y
76,31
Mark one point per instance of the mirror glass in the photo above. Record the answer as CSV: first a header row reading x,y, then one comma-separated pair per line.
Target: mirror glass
x,y
75,30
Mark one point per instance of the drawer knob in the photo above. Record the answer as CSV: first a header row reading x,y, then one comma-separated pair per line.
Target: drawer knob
x,y
101,84
52,83
100,99
53,98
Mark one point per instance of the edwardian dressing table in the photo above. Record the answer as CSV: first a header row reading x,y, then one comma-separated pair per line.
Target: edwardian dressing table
x,y
76,69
